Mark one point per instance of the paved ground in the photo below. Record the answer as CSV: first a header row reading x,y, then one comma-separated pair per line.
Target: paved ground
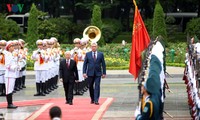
x,y
120,85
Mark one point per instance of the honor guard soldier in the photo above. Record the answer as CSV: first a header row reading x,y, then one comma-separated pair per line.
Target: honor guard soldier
x,y
24,52
17,57
76,56
2,67
12,68
83,50
40,74
56,50
51,64
150,108
46,64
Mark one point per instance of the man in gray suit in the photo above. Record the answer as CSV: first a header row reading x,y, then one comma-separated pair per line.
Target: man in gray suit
x,y
94,68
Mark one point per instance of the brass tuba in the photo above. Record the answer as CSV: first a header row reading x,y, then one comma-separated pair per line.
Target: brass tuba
x,y
92,33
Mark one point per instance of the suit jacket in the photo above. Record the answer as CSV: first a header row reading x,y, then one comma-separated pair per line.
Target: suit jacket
x,y
91,67
68,74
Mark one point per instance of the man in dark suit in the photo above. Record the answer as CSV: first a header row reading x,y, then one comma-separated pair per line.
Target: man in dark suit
x,y
94,68
68,74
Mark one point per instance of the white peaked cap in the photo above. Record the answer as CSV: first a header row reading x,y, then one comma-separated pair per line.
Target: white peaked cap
x,y
3,42
77,40
55,39
39,41
84,41
157,50
8,44
21,40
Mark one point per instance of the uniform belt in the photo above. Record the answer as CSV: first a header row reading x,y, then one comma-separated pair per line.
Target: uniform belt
x,y
2,74
81,60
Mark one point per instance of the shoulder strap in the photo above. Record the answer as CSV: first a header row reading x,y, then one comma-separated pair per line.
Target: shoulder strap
x,y
151,108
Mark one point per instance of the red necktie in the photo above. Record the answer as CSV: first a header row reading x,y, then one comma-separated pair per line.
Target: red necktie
x,y
67,63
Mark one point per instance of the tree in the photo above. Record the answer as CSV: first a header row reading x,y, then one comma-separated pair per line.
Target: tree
x,y
46,30
193,27
159,25
96,21
8,28
32,33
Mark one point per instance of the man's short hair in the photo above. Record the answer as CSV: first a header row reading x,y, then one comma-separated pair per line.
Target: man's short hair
x,y
55,111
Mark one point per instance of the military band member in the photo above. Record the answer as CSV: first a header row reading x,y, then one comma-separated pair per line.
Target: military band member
x,y
2,67
40,69
12,68
82,52
76,56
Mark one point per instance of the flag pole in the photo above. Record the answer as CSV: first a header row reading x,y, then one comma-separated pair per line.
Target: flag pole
x,y
135,3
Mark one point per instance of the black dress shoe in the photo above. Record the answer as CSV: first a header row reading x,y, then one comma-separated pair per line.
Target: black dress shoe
x,y
11,106
92,102
3,94
66,102
70,103
37,94
96,103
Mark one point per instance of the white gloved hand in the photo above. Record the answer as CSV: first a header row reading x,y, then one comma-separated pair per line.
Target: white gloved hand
x,y
137,112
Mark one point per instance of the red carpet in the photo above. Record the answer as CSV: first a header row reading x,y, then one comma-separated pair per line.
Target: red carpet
x,y
26,103
80,110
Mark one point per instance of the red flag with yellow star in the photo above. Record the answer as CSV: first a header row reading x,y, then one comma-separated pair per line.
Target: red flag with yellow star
x,y
140,41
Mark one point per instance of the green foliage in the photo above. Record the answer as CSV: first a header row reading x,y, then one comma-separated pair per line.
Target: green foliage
x,y
117,56
66,47
176,64
96,21
96,16
180,50
193,27
47,30
116,51
117,62
159,26
170,20
127,36
149,26
110,29
63,27
8,28
32,33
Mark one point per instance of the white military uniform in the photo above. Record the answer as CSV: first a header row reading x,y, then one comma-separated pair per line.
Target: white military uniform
x,y
11,71
39,65
2,66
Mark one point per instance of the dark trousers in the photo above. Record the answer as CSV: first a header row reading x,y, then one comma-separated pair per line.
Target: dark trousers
x,y
68,87
94,87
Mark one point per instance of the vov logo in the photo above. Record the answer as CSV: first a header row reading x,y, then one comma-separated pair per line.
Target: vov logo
x,y
15,7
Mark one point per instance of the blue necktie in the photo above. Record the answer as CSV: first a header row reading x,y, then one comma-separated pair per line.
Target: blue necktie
x,y
94,57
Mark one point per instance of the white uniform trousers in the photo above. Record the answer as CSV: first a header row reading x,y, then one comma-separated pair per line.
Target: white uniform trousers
x,y
10,84
2,79
46,75
80,71
40,76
